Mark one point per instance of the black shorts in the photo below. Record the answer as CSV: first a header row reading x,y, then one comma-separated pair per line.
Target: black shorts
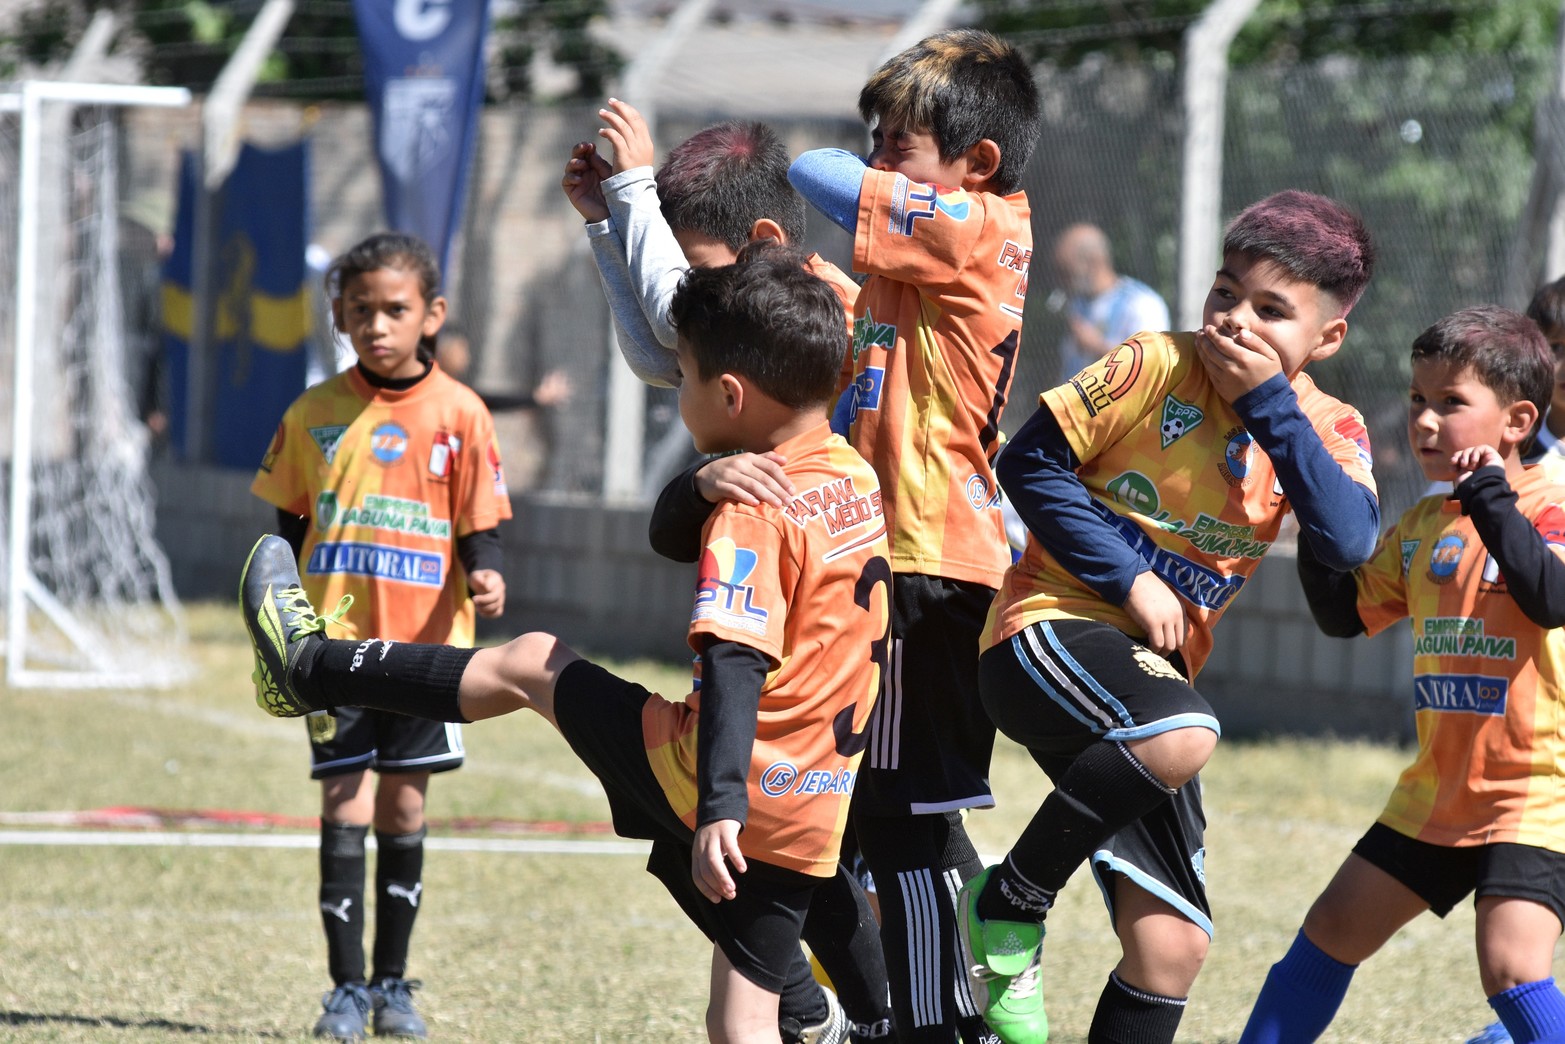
x,y
1059,686
930,740
1442,875
758,931
386,742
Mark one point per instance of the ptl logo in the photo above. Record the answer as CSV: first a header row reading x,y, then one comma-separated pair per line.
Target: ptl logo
x,y
923,201
722,591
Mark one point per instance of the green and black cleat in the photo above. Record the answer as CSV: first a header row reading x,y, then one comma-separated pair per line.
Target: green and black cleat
x,y
282,625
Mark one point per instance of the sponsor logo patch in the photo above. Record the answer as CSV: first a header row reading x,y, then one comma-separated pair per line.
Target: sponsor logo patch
x,y
1135,491
385,563
722,596
1109,378
1445,557
1461,693
1238,457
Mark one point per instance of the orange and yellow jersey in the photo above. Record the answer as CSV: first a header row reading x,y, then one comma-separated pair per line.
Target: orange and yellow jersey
x,y
1169,464
808,584
1486,680
390,480
847,292
936,330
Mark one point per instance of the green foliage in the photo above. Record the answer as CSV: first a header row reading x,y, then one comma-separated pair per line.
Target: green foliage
x,y
186,43
1066,31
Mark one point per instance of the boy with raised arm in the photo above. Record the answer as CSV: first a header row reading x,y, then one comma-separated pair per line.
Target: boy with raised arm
x,y
942,229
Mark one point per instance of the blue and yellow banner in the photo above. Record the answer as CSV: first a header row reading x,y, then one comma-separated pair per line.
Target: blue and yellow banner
x,y
262,318
424,83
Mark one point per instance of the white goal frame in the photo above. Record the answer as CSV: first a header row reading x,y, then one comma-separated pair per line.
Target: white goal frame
x,y
23,587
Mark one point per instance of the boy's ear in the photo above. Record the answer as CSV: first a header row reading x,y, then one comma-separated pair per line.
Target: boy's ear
x,y
766,228
983,163
733,394
435,317
1331,336
1521,417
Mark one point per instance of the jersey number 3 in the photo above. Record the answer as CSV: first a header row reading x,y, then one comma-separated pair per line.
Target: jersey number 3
x,y
877,572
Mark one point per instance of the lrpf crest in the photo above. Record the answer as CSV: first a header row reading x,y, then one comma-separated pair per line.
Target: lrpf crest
x,y
1178,419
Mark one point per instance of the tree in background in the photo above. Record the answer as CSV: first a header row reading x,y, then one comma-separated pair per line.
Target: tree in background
x,y
186,43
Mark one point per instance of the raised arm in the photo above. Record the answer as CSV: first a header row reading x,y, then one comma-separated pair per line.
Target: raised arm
x,y
1534,574
829,180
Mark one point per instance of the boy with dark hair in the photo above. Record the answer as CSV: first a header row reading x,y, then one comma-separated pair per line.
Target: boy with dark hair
x,y
770,741
718,191
942,230
1480,577
1547,447
1151,485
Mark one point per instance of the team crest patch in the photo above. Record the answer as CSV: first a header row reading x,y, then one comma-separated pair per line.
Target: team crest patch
x,y
1135,491
325,509
1238,457
326,439
388,442
1154,664
1445,556
1409,549
1178,419
445,448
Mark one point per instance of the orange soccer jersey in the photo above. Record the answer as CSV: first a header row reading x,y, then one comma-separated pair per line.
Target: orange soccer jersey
x,y
936,330
1169,464
1486,680
389,479
808,584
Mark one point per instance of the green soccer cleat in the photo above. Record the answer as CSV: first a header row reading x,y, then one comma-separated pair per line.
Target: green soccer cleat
x,y
282,624
1005,968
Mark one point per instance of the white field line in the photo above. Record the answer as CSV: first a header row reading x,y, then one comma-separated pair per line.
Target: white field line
x,y
168,839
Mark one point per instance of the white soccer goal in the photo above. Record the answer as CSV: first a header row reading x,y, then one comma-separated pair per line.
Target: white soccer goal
x,y
88,598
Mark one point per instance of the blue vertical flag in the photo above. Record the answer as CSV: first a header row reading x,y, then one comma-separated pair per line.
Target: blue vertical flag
x,y
424,81
260,340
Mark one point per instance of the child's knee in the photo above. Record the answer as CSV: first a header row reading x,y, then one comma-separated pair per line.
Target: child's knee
x,y
1175,757
1167,961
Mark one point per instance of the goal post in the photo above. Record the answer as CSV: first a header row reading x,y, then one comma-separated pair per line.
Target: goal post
x,y
88,597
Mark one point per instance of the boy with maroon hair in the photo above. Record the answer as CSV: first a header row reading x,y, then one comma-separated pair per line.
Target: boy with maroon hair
x,y
1151,485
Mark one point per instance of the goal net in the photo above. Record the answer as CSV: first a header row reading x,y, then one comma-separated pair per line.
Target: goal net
x,y
88,598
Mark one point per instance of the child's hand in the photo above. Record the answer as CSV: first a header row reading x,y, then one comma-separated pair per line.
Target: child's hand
x,y
583,181
749,478
488,588
554,389
1236,364
1157,610
628,133
1465,462
716,845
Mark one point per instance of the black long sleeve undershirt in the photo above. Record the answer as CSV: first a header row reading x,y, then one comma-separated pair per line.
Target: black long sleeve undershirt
x,y
1534,575
1332,594
732,674
678,515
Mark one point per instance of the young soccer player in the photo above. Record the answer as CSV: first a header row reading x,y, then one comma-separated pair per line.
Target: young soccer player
x,y
1480,577
1151,485
770,741
388,487
718,191
942,230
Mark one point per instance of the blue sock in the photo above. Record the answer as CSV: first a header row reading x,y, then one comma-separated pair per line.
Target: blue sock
x,y
1532,1012
1300,998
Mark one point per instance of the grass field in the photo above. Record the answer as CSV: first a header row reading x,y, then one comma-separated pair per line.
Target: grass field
x,y
166,941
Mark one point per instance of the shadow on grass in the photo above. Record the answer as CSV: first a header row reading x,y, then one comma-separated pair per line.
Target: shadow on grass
x,y
32,1018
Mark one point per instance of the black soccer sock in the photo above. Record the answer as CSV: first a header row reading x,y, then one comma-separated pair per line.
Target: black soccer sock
x,y
342,900
919,863
399,887
1105,789
845,937
1127,1015
420,681
801,1002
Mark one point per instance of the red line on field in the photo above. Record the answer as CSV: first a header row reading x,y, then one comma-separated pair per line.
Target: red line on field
x,y
133,817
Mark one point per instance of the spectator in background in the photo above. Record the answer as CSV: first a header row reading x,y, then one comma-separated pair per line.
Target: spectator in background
x,y
1103,308
456,358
